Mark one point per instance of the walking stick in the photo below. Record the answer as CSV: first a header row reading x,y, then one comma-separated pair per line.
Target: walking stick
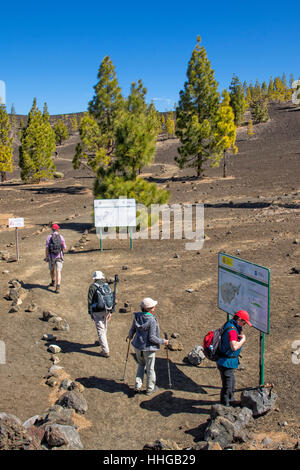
x,y
115,289
123,379
168,362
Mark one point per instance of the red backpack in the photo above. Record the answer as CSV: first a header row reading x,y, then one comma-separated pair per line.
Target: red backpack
x,y
212,342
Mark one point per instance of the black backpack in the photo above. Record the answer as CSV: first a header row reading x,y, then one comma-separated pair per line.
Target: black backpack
x,y
104,298
55,245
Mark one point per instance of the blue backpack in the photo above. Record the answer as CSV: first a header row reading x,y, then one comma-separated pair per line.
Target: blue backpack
x,y
104,298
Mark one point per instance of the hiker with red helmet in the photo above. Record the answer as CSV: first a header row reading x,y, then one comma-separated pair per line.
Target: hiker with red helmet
x,y
55,246
231,343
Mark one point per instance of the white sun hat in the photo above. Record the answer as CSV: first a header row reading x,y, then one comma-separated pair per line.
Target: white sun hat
x,y
98,275
147,303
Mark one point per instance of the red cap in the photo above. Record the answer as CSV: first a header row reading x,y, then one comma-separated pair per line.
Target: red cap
x,y
55,227
243,315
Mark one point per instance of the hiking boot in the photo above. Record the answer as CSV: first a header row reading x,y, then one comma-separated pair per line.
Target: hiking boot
x,y
150,392
52,284
103,354
57,290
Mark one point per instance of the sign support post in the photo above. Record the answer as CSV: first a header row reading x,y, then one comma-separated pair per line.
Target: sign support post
x,y
262,359
15,223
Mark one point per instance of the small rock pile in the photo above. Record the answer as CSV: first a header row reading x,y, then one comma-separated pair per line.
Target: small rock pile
x,y
17,293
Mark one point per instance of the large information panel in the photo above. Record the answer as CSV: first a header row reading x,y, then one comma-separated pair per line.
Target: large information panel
x,y
244,285
115,212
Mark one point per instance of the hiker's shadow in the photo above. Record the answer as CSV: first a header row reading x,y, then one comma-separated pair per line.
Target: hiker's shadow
x,y
68,347
179,380
167,404
106,385
29,286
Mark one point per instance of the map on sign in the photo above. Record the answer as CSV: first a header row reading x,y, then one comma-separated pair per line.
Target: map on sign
x,y
244,285
115,212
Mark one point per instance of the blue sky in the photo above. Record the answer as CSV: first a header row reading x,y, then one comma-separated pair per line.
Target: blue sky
x,y
53,50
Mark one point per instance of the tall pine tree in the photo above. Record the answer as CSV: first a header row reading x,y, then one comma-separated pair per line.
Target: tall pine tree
x,y
237,100
6,144
196,112
37,147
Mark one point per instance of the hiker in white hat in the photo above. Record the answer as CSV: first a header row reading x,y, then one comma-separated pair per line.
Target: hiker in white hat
x,y
100,302
146,341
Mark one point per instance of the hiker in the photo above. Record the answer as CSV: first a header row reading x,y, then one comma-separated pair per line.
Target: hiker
x,y
231,343
100,314
55,246
146,342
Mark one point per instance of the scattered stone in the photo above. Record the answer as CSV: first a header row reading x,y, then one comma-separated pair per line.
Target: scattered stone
x,y
176,255
54,369
5,271
14,309
13,435
31,307
124,268
72,249
58,435
52,381
75,400
61,324
260,400
55,415
189,290
175,335
58,174
66,384
48,337
55,359
175,345
196,356
53,348
47,315
295,270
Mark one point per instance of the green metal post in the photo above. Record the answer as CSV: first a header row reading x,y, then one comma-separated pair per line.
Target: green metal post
x,y
101,247
262,359
130,231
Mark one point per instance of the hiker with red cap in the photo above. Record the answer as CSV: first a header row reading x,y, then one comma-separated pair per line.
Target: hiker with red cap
x,y
55,246
231,343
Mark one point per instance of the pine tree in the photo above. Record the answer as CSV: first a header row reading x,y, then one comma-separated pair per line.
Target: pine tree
x,y
136,133
13,120
237,100
225,131
6,144
74,124
46,114
271,90
37,147
250,129
259,109
196,112
61,131
107,101
170,125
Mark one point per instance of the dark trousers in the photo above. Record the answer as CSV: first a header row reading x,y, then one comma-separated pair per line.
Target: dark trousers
x,y
228,384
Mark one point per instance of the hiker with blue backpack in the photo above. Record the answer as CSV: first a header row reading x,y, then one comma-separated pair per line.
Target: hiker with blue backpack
x,y
232,340
101,304
55,246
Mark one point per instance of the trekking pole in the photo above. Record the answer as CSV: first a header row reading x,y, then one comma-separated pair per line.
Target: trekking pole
x,y
115,289
168,362
123,379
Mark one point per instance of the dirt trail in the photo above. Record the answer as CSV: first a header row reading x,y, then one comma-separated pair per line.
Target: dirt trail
x,y
254,213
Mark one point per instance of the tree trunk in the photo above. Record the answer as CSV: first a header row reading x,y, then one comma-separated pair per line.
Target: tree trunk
x,y
224,164
3,176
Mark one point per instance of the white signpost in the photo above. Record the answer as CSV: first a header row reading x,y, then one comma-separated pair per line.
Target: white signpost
x,y
243,285
16,223
114,213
